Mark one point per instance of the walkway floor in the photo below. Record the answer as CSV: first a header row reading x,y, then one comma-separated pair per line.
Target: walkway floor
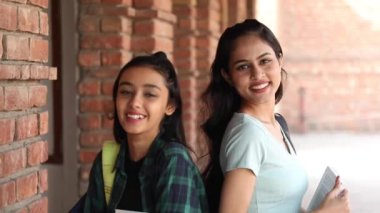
x,y
355,157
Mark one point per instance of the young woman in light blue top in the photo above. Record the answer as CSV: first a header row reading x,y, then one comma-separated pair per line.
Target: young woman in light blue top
x,y
249,146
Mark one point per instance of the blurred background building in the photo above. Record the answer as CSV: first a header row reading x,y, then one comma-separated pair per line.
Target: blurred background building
x,y
59,59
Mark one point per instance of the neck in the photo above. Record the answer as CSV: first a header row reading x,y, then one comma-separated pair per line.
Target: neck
x,y
262,112
139,145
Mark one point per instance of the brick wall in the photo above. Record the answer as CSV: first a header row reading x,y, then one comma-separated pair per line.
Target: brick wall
x,y
23,122
110,33
331,54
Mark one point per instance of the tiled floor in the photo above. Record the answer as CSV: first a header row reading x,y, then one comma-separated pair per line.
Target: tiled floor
x,y
356,157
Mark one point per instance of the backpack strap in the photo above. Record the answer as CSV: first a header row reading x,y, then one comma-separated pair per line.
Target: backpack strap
x,y
110,151
281,120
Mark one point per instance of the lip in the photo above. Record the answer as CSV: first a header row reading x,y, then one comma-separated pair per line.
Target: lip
x,y
134,116
259,86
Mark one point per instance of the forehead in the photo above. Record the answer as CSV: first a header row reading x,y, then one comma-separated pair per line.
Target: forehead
x,y
142,75
249,45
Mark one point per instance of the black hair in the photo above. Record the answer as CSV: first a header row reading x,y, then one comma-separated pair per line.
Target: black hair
x,y
222,100
171,129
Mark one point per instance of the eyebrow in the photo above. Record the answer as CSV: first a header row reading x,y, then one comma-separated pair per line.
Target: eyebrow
x,y
126,83
244,60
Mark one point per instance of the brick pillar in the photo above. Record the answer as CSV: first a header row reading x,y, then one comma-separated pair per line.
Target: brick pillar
x,y
23,122
153,28
104,46
197,32
110,33
185,61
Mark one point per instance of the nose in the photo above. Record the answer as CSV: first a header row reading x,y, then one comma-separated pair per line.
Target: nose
x,y
135,101
256,72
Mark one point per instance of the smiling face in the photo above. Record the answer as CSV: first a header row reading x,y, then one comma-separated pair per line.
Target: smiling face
x,y
254,70
142,101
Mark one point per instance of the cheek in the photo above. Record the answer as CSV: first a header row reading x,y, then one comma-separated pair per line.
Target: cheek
x,y
120,105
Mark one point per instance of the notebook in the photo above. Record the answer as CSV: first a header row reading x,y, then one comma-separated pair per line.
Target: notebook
x,y
326,184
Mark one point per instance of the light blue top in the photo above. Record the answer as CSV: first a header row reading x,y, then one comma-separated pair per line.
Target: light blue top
x,y
281,181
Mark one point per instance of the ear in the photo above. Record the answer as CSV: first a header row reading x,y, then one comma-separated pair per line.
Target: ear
x,y
170,109
226,77
281,60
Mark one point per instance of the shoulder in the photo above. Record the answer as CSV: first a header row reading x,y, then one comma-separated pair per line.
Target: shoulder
x,y
174,150
243,127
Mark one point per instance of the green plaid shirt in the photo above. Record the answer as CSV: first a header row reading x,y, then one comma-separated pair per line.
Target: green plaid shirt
x,y
170,182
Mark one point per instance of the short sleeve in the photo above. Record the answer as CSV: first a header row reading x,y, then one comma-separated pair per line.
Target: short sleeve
x,y
242,147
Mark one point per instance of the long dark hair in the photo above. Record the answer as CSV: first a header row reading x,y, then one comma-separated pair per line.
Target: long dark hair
x,y
222,100
171,129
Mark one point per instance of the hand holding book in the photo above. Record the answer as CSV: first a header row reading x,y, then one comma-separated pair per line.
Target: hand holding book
x,y
330,195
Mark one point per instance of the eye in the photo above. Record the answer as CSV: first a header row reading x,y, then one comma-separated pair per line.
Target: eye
x,y
243,67
150,95
265,61
125,92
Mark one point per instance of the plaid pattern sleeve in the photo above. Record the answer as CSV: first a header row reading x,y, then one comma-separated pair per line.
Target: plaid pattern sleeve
x,y
95,200
179,187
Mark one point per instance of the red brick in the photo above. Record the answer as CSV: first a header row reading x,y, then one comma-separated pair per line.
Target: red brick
x,y
111,11
116,24
19,1
159,14
89,24
184,53
87,156
39,50
37,153
26,186
7,127
53,73
7,194
44,23
94,139
12,162
44,123
25,72
16,97
124,2
154,4
185,42
104,72
43,177
28,20
23,210
16,48
89,121
1,98
89,1
37,96
107,87
89,58
41,3
40,206
9,11
1,46
39,72
26,127
115,58
146,44
105,41
89,87
153,27
94,104
143,44
9,71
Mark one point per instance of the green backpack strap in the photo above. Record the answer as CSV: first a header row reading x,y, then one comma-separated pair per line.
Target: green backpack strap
x,y
110,151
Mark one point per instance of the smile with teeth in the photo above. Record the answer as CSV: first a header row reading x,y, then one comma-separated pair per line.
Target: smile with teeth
x,y
260,86
134,116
